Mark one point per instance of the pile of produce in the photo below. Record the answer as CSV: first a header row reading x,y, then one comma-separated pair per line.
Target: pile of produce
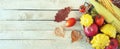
x,y
101,23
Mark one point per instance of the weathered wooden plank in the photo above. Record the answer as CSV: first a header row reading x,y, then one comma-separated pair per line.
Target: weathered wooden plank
x,y
27,35
42,44
26,44
37,43
40,4
34,25
34,35
33,40
32,15
30,35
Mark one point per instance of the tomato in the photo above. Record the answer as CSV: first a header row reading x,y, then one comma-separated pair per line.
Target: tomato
x,y
70,22
99,20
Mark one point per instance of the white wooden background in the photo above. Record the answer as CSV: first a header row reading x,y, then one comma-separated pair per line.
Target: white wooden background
x,y
32,26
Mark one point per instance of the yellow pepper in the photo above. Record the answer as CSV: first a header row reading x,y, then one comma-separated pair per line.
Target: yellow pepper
x,y
86,20
100,41
109,30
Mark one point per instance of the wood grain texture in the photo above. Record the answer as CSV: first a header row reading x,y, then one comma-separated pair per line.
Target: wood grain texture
x,y
35,35
27,35
31,35
32,15
26,44
34,25
40,4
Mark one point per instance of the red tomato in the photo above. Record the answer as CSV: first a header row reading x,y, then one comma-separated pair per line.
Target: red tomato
x,y
70,22
99,20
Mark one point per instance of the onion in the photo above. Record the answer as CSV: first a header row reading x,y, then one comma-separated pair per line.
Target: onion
x,y
91,30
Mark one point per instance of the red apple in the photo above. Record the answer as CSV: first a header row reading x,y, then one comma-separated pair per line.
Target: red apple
x,y
91,30
113,44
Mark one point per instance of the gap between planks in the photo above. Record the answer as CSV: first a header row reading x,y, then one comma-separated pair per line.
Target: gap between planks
x,y
57,43
39,9
46,44
32,30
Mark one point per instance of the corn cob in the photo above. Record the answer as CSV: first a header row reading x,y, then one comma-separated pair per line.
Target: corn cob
x,y
115,9
109,17
111,8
